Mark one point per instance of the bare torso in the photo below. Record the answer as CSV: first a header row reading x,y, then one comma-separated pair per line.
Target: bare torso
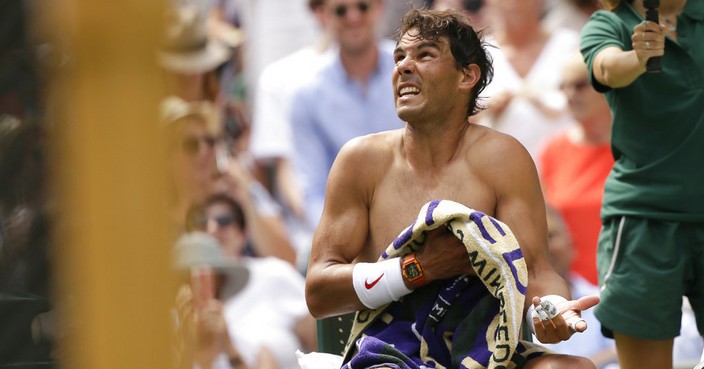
x,y
400,189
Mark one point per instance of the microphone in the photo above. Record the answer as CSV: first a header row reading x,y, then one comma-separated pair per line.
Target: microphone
x,y
651,14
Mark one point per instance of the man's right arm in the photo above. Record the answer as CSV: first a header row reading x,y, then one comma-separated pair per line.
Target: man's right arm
x,y
340,237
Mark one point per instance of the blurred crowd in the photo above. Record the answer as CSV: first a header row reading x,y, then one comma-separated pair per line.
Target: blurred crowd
x,y
261,95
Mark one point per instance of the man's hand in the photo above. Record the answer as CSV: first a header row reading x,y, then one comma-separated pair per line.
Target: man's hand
x,y
443,255
558,323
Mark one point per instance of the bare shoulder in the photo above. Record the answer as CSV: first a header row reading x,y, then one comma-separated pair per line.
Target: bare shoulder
x,y
372,150
496,155
497,147
363,160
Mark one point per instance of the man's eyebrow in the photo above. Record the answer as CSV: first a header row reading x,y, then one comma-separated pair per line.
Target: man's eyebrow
x,y
421,45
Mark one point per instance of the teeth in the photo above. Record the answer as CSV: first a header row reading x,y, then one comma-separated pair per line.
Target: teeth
x,y
409,90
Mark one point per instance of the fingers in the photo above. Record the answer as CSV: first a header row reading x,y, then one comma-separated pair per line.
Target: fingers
x,y
547,315
554,323
583,303
648,38
577,325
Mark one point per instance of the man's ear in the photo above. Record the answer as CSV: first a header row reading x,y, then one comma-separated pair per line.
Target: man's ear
x,y
470,77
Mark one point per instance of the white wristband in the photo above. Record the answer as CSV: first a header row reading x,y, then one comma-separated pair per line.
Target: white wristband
x,y
379,283
542,314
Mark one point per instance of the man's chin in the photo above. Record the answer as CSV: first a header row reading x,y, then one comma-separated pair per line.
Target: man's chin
x,y
405,113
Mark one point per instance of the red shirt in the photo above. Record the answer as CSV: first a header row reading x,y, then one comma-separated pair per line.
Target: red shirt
x,y
573,176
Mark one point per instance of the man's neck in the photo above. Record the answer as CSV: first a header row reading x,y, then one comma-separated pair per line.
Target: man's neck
x,y
433,146
360,65
592,130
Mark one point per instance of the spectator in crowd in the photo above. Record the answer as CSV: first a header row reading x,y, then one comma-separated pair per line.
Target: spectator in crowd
x,y
194,139
524,100
208,277
651,246
213,158
273,29
190,56
349,96
236,178
271,143
575,163
270,311
191,130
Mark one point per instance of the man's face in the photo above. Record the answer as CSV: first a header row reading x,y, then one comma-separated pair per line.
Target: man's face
x,y
193,154
353,22
582,99
425,79
221,224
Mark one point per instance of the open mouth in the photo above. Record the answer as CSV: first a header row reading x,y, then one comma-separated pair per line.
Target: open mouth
x,y
408,91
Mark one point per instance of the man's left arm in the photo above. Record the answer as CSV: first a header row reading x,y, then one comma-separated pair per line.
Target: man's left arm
x,y
521,206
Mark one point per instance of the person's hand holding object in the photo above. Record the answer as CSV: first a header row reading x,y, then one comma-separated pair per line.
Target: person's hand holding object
x,y
555,319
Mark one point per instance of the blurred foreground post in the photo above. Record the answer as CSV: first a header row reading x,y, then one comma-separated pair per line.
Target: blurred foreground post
x,y
112,239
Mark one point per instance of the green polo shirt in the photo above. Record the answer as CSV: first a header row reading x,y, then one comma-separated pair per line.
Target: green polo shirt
x,y
658,120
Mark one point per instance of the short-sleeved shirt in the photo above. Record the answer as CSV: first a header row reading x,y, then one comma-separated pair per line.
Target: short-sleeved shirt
x,y
331,109
658,120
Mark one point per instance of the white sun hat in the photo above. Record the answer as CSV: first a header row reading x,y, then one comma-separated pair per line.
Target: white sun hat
x,y
187,48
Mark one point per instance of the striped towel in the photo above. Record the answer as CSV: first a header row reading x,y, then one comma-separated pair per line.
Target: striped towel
x,y
463,322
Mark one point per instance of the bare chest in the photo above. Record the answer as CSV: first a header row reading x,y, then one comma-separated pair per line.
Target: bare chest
x,y
399,197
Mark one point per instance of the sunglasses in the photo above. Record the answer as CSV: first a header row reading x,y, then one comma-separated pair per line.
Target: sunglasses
x,y
341,10
222,221
191,144
577,85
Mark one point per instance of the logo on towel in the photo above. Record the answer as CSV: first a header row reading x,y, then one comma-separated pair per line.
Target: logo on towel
x,y
369,286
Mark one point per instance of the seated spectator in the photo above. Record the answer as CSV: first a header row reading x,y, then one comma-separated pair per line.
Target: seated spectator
x,y
270,311
191,57
191,130
349,96
576,162
237,179
208,278
193,138
523,99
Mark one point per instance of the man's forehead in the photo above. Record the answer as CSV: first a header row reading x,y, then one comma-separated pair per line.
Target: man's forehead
x,y
412,39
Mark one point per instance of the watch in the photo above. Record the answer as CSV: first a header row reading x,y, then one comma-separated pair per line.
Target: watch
x,y
412,271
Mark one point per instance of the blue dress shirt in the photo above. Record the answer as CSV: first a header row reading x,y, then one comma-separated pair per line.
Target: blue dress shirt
x,y
332,109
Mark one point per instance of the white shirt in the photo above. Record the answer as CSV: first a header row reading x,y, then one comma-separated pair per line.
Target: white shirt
x,y
271,123
264,313
521,119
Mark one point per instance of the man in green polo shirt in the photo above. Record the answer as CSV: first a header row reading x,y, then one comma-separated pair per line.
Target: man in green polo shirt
x,y
651,248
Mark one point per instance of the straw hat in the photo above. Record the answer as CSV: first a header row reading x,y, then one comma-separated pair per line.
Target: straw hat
x,y
187,48
174,108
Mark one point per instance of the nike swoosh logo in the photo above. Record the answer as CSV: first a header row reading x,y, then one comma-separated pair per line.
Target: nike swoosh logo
x,y
369,286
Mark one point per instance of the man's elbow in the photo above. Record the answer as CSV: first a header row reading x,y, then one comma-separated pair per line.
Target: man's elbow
x,y
315,302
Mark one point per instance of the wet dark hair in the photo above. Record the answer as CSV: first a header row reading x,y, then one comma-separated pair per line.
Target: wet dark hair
x,y
465,43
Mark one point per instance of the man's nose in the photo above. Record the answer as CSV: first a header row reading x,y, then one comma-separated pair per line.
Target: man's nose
x,y
405,66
